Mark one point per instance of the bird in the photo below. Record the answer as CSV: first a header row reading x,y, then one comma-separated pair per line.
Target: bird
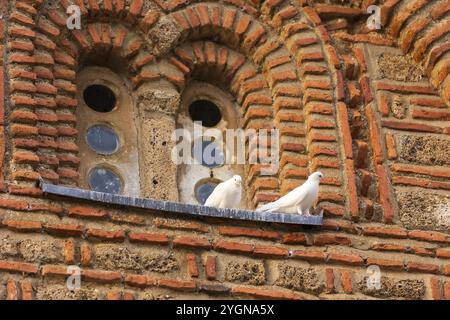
x,y
227,194
299,200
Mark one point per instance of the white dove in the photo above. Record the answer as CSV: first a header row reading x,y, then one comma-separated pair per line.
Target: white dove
x,y
227,194
299,200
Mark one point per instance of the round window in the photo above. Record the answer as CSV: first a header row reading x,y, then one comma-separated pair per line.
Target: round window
x,y
99,98
205,111
102,139
105,180
204,190
208,153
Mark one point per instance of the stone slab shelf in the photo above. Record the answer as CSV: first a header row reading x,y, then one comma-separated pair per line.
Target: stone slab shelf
x,y
177,208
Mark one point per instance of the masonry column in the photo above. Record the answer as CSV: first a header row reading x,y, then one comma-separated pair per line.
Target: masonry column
x,y
158,103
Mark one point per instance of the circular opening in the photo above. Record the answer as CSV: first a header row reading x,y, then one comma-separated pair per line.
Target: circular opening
x,y
102,140
99,98
206,112
104,180
208,153
204,190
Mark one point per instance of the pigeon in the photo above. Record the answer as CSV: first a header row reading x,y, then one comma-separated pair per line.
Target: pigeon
x,y
227,194
299,200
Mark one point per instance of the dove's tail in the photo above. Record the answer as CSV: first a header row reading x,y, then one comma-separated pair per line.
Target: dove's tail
x,y
267,208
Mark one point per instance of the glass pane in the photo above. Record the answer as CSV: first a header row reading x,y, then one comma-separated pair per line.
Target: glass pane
x,y
203,191
208,153
102,140
105,180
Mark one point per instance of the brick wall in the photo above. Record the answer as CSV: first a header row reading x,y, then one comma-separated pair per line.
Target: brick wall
x,y
369,109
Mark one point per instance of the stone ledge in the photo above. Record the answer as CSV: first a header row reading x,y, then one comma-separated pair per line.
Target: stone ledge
x,y
174,207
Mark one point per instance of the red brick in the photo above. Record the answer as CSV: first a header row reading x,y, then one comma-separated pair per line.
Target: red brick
x,y
267,294
210,268
191,242
424,183
337,224
85,255
346,279
23,6
430,115
329,276
128,296
177,284
236,247
270,251
447,290
351,189
375,135
429,236
433,102
384,193
180,225
192,267
14,204
20,267
12,291
317,256
64,229
331,239
118,235
23,226
114,294
405,88
156,238
140,281
69,251
446,270
86,212
386,264
388,247
430,171
345,129
101,276
350,259
294,238
22,32
391,147
136,7
443,253
435,288
27,290
385,232
248,232
421,251
422,267
408,126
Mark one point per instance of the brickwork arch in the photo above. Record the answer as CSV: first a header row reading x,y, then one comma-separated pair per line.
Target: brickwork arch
x,y
274,43
44,62
286,45
241,78
422,29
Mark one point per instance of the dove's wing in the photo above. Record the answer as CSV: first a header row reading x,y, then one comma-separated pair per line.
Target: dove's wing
x,y
216,197
289,200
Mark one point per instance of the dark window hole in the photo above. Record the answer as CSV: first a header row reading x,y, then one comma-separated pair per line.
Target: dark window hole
x,y
205,111
99,98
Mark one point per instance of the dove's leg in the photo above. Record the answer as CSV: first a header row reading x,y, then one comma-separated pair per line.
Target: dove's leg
x,y
299,210
307,212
